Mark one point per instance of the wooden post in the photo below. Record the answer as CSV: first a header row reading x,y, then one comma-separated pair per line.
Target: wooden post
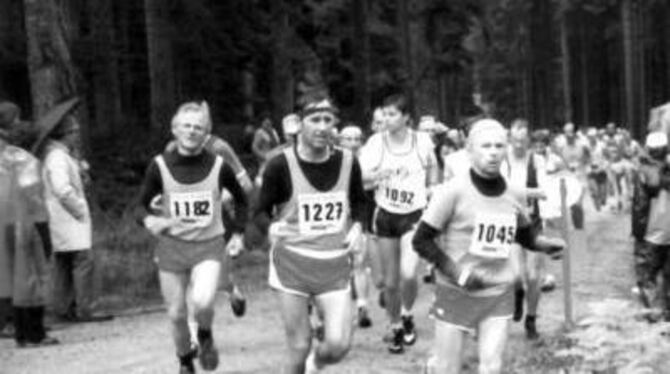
x,y
567,279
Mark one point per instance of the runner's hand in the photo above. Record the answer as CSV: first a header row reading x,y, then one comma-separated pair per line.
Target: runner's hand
x,y
157,225
354,236
475,273
551,246
235,245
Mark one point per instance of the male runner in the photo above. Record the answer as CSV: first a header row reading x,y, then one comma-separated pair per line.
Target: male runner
x,y
467,232
190,229
401,164
315,190
520,171
351,138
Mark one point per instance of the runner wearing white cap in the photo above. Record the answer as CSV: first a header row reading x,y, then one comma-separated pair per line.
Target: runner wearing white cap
x,y
467,231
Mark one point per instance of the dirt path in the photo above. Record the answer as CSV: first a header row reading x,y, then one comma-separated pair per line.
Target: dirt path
x,y
253,344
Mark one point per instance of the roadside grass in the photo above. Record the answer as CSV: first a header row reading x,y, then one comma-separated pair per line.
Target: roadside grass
x,y
617,337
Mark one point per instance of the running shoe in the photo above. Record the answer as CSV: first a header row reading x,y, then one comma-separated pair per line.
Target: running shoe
x,y
238,303
208,355
46,341
382,299
409,332
186,362
548,283
531,328
395,346
364,320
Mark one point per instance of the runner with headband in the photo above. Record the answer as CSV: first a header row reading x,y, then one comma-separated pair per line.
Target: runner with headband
x,y
316,192
467,231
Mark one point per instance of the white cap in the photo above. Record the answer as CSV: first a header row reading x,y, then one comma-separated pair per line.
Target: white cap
x,y
351,132
656,139
485,125
291,124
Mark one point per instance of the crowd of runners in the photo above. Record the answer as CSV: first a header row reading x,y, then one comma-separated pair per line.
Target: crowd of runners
x,y
473,210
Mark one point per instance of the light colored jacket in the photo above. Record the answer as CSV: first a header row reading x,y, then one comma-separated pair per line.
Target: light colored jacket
x,y
69,215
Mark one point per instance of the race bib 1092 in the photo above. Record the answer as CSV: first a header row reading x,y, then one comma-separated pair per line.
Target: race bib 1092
x,y
493,235
321,213
193,209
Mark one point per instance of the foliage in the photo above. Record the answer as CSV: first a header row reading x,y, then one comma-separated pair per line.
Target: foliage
x,y
616,336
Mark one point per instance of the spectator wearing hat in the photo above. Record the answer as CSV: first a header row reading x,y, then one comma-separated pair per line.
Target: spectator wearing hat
x,y
69,216
651,220
22,254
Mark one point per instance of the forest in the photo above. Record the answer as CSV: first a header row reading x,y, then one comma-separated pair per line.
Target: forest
x,y
133,62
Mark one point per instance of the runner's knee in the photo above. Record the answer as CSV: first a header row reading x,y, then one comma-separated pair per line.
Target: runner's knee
x,y
490,365
177,312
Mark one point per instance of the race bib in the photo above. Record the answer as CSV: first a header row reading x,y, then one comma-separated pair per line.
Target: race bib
x,y
321,213
493,235
194,209
398,197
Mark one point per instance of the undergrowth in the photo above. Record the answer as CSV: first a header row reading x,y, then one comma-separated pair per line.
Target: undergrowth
x,y
616,337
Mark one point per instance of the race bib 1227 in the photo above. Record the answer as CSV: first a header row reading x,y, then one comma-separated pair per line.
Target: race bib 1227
x,y
322,213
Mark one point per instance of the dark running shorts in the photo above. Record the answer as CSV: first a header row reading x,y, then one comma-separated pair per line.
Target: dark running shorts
x,y
391,225
179,256
457,307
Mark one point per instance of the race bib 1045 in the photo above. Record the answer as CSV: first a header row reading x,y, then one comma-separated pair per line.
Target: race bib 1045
x,y
321,213
193,209
493,235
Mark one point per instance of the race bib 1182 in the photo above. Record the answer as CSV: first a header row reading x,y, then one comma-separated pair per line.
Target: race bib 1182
x,y
193,209
493,235
321,213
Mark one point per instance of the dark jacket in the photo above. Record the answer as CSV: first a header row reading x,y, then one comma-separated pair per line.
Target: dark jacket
x,y
650,178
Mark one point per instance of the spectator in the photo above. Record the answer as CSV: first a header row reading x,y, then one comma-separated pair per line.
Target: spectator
x,y
651,221
69,217
22,260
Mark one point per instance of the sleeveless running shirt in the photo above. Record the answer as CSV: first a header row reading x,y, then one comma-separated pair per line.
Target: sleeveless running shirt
x,y
404,191
312,219
197,205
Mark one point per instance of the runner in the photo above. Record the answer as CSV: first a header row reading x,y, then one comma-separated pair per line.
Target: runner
x,y
315,190
222,148
351,138
400,163
520,172
476,219
190,229
596,174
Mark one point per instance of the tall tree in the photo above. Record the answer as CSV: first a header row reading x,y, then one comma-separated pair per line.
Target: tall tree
x,y
629,59
565,61
52,74
282,75
160,60
361,60
105,68
403,18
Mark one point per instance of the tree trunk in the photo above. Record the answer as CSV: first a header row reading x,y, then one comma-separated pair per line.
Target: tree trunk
x,y
405,43
565,67
584,70
361,59
106,89
283,87
52,73
541,52
161,65
629,60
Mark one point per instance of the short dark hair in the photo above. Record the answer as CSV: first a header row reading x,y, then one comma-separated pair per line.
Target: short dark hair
x,y
399,101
